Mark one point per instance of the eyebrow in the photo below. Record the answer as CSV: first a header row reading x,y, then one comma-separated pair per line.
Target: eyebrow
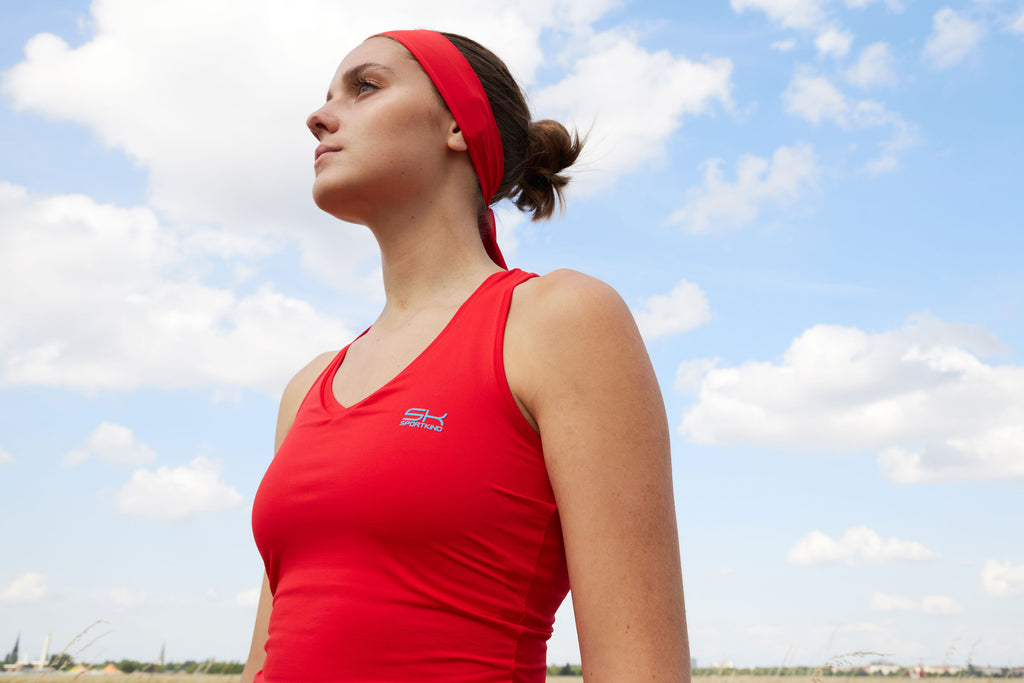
x,y
357,71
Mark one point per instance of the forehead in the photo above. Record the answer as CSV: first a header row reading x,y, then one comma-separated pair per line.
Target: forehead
x,y
380,50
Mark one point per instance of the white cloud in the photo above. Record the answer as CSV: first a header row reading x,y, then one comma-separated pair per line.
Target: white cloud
x,y
6,458
995,453
682,309
857,544
921,395
170,115
632,121
883,163
177,494
690,374
510,222
891,5
248,598
904,135
799,14
1017,23
721,204
126,598
116,304
880,602
1002,579
815,99
28,587
863,640
953,37
219,129
114,444
803,14
777,638
784,45
817,548
940,604
833,42
873,67
930,604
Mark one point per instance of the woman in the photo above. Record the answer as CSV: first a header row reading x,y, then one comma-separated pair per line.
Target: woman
x,y
493,438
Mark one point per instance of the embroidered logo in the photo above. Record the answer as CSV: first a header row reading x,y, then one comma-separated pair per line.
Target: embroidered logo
x,y
421,418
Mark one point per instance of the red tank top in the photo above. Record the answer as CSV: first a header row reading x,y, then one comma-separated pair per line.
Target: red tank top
x,y
413,536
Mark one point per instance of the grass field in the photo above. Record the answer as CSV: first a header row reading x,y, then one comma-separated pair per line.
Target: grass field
x,y
207,678
185,678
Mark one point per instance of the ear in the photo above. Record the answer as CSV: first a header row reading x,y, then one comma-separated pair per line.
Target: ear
x,y
456,141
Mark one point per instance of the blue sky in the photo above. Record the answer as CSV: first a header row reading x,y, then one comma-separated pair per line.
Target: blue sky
x,y
812,206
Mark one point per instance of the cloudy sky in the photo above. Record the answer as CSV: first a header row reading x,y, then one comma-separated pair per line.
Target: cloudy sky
x,y
814,208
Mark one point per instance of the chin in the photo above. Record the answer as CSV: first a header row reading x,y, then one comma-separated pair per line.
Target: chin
x,y
335,205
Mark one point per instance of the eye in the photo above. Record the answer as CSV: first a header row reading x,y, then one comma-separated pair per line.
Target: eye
x,y
361,86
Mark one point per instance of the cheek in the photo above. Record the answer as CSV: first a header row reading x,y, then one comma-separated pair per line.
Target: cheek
x,y
413,138
425,116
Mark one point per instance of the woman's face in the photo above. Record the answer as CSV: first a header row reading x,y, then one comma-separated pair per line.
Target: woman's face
x,y
383,133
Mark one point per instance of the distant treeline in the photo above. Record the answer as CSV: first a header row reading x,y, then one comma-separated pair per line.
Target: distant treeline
x,y
890,672
565,670
210,666
64,662
815,672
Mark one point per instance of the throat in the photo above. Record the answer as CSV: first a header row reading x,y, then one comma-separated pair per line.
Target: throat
x,y
385,351
397,341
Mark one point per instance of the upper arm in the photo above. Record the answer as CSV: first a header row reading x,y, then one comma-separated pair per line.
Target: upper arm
x,y
578,365
291,399
295,392
257,651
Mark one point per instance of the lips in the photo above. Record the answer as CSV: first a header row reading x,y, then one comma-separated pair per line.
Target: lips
x,y
322,150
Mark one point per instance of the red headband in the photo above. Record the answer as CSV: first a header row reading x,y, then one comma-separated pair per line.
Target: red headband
x,y
461,90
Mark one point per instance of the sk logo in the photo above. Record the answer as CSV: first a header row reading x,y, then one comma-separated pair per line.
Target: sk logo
x,y
421,418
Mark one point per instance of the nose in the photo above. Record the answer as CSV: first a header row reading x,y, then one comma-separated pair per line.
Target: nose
x,y
322,122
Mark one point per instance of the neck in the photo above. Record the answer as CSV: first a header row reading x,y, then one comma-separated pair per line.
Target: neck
x,y
430,259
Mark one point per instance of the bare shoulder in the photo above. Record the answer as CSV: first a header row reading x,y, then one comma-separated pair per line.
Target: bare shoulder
x,y
295,391
567,288
576,363
299,385
567,301
569,334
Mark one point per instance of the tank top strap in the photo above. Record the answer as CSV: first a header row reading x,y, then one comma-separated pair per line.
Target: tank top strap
x,y
480,323
495,294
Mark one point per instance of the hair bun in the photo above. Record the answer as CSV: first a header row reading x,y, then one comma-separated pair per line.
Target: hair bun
x,y
549,150
535,151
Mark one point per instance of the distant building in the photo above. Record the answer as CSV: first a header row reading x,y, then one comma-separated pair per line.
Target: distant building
x,y
940,669
990,670
12,658
881,669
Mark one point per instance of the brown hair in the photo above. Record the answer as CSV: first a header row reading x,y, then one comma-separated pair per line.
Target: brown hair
x,y
535,151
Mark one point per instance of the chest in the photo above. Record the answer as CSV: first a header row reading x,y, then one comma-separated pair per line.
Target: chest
x,y
384,353
438,453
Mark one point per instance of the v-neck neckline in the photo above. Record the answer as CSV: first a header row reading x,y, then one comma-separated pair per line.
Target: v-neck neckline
x,y
331,400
